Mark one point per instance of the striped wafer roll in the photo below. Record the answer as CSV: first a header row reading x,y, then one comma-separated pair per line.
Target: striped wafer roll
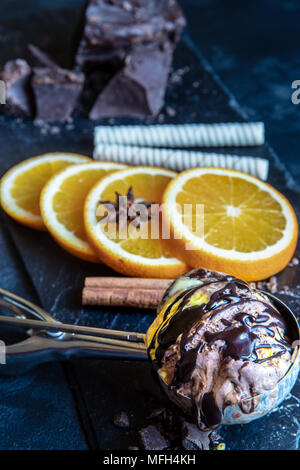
x,y
183,135
179,160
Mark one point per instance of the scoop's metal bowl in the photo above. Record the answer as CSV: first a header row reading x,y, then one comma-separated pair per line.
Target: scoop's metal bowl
x,y
255,407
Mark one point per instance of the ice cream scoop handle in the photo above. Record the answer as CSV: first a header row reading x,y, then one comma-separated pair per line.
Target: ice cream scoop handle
x,y
51,340
21,357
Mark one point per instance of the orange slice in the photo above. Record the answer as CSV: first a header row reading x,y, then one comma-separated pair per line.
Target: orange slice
x,y
135,253
21,186
62,201
250,229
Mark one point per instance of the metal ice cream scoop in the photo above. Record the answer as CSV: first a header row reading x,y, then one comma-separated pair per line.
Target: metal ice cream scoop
x,y
49,340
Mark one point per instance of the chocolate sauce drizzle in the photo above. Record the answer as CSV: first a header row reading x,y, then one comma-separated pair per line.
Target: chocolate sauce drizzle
x,y
240,338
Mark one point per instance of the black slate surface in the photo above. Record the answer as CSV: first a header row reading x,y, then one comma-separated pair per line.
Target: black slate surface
x,y
254,47
37,409
101,388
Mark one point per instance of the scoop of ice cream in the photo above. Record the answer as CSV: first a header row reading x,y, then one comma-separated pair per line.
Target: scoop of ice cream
x,y
217,342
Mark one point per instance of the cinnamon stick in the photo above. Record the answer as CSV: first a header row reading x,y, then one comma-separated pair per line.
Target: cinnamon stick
x,y
122,297
127,283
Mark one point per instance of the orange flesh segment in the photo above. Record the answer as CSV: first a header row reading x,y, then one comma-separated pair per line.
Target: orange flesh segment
x,y
257,222
28,185
68,202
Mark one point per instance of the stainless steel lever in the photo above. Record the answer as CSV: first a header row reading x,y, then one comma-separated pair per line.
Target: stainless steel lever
x,y
51,340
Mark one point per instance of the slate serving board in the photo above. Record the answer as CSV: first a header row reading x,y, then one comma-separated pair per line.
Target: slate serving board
x,y
101,388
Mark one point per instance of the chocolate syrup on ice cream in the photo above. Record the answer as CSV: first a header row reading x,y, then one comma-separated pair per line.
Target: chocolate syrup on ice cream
x,y
237,337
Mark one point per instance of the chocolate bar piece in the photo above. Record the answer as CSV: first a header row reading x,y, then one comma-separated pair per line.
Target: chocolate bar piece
x,y
16,75
152,439
56,92
110,28
138,89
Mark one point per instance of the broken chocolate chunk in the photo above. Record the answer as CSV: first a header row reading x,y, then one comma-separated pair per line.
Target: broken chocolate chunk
x,y
152,439
138,89
56,92
110,29
121,420
16,76
194,439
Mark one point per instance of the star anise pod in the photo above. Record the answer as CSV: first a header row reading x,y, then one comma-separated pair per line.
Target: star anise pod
x,y
127,209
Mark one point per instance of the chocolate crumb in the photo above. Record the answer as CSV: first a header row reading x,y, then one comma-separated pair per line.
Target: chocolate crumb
x,y
272,285
294,262
54,130
121,420
170,111
177,75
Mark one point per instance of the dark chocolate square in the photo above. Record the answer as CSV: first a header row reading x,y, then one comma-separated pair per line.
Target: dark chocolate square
x,y
111,28
56,92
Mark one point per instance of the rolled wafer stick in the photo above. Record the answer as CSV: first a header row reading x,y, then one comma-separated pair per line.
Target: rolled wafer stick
x,y
179,160
183,135
137,298
127,283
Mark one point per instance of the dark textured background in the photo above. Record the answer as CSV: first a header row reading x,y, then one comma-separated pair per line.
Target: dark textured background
x,y
71,405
